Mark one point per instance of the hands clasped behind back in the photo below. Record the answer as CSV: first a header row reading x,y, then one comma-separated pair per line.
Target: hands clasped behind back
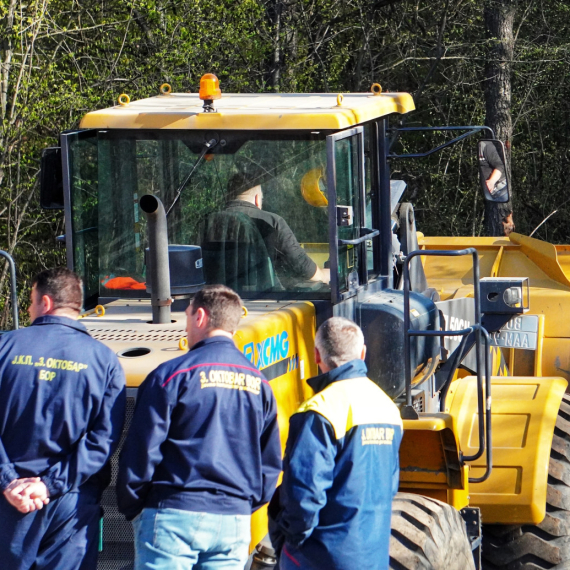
x,y
27,494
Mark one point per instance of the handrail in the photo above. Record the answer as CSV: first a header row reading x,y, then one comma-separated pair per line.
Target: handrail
x,y
483,404
13,289
356,241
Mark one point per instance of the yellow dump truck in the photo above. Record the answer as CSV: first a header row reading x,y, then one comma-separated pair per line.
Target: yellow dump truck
x,y
469,335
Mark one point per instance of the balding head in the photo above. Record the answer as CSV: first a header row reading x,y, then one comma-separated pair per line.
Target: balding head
x,y
339,341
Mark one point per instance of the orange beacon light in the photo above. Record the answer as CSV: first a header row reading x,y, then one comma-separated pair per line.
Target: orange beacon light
x,y
209,90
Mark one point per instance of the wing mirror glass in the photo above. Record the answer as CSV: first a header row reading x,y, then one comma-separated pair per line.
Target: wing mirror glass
x,y
492,170
51,179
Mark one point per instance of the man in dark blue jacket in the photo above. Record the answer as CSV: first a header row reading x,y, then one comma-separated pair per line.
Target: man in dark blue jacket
x,y
203,448
341,467
62,406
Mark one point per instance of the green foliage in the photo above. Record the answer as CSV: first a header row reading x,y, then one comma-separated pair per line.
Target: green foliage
x,y
63,58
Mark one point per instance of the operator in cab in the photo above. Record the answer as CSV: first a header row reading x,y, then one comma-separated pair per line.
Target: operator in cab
x,y
341,465
290,260
62,408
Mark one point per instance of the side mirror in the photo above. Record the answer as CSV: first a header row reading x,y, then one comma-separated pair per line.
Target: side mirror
x,y
492,170
51,179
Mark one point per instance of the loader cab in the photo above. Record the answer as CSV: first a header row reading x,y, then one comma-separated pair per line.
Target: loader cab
x,y
311,147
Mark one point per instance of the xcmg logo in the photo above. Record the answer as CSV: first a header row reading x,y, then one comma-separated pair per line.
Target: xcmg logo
x,y
268,351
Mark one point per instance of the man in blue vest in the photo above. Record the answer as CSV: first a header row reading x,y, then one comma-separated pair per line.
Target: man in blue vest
x,y
341,469
62,407
203,449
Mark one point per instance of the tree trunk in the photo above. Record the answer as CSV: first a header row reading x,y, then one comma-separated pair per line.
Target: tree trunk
x,y
275,10
499,16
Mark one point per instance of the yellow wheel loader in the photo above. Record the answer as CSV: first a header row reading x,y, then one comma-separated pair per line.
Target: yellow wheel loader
x,y
469,336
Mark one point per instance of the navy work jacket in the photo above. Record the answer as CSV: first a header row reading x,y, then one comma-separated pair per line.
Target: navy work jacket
x,y
340,473
204,436
62,406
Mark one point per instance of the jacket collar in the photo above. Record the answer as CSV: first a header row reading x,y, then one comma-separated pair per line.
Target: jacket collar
x,y
242,204
353,369
56,320
213,339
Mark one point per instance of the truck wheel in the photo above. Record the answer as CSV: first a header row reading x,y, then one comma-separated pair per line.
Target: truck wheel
x,y
427,535
546,545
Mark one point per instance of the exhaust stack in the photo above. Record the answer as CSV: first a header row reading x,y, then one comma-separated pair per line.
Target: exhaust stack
x,y
158,267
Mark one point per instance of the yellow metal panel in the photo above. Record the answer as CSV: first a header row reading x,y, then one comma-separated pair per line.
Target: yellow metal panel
x,y
452,277
543,254
563,253
429,460
497,262
298,322
461,242
524,411
538,368
556,357
544,265
256,112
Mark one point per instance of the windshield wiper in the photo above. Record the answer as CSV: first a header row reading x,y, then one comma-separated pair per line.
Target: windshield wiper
x,y
207,146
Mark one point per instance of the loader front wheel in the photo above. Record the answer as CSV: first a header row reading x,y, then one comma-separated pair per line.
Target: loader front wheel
x,y
545,545
427,535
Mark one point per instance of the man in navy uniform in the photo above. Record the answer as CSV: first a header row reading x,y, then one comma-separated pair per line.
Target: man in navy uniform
x,y
341,468
203,449
62,406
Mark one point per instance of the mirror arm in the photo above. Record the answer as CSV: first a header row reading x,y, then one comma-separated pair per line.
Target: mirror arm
x,y
471,130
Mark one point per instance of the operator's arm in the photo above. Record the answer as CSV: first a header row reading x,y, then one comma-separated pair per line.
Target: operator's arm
x,y
97,445
141,453
493,179
496,163
323,275
270,453
292,255
307,475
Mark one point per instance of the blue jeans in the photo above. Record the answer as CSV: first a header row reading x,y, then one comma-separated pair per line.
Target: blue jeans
x,y
173,539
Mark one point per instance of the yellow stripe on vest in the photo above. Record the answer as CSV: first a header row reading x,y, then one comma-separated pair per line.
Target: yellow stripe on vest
x,y
349,403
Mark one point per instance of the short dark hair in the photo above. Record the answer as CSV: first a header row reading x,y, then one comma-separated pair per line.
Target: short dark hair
x,y
247,176
237,185
222,305
62,285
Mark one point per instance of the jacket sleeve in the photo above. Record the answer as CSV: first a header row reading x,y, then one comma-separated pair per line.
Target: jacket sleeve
x,y
307,475
291,253
7,470
141,453
270,454
97,445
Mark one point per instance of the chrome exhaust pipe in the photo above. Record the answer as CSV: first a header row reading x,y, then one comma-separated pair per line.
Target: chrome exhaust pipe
x,y
157,263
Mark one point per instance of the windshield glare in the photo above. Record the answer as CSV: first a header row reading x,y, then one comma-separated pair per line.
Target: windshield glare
x,y
243,205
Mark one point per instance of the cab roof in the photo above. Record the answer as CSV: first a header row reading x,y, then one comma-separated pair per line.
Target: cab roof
x,y
269,112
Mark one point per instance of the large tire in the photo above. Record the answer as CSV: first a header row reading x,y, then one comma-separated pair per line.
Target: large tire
x,y
546,545
428,535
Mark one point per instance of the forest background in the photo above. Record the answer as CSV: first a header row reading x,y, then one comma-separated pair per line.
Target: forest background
x,y
62,58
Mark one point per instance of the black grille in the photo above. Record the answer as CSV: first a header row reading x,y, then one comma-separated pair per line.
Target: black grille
x,y
118,548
